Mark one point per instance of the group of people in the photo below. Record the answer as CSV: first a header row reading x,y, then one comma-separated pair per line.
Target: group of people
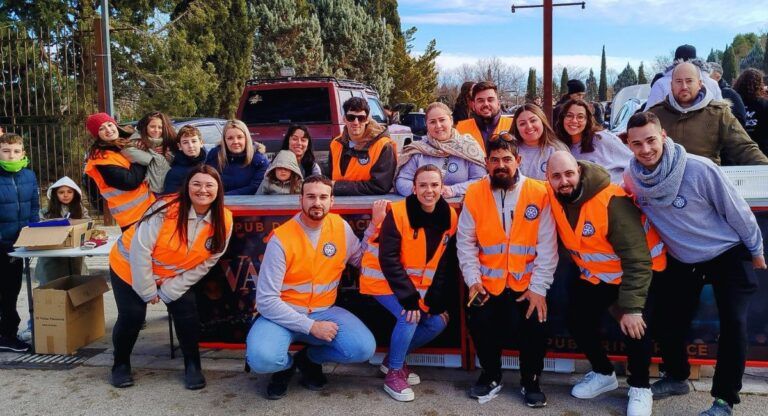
x,y
634,216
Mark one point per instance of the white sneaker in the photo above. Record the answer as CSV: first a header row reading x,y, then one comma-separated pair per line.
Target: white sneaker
x,y
640,402
594,384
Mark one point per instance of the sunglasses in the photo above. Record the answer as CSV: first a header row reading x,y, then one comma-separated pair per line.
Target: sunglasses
x,y
352,117
503,135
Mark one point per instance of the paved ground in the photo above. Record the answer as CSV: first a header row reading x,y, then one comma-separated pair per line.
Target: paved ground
x,y
354,390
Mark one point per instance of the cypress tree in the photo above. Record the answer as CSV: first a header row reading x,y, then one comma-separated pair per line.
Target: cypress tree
x,y
602,90
530,91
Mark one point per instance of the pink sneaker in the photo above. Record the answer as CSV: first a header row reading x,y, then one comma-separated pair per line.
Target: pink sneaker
x,y
395,385
412,378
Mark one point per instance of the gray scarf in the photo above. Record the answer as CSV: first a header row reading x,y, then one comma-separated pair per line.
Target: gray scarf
x,y
660,186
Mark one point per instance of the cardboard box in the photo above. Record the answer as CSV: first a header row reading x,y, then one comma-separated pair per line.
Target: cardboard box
x,y
49,238
69,313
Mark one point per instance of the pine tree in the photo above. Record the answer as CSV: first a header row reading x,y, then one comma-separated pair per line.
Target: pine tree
x,y
626,78
287,35
591,86
765,56
754,58
641,78
414,77
564,82
712,57
530,91
602,91
729,65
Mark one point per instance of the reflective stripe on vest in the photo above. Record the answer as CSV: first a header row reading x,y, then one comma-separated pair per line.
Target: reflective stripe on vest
x,y
312,274
506,260
358,169
126,207
469,126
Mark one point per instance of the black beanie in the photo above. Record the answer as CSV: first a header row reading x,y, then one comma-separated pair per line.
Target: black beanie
x,y
574,86
685,52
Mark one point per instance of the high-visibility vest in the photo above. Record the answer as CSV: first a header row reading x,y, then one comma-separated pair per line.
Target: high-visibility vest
x,y
413,256
126,207
506,260
312,274
588,242
469,126
171,256
359,169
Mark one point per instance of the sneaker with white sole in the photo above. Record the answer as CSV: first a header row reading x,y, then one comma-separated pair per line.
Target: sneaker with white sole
x,y
640,402
594,384
395,385
412,378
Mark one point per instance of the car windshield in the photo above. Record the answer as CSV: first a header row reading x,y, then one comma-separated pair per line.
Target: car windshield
x,y
285,106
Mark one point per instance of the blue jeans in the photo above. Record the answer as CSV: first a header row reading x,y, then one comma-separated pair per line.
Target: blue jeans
x,y
267,343
407,336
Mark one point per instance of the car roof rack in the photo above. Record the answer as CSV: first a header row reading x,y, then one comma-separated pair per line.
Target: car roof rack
x,y
340,82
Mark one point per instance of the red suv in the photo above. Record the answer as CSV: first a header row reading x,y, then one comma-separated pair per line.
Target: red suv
x,y
269,105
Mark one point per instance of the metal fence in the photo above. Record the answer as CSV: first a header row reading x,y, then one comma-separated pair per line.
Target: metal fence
x,y
48,87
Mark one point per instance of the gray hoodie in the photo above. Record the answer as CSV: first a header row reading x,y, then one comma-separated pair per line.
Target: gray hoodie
x,y
284,159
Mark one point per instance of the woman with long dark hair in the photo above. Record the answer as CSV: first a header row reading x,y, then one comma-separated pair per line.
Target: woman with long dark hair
x,y
536,140
576,127
159,259
298,141
753,91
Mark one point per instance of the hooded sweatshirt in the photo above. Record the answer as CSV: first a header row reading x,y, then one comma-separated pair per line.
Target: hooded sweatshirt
x,y
382,171
625,235
284,159
663,86
157,165
609,153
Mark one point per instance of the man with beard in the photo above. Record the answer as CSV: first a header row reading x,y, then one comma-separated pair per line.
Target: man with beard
x,y
507,248
486,120
602,229
296,292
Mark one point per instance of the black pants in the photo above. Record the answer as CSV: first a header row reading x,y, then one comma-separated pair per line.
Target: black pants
x,y
489,324
588,306
131,311
674,299
10,287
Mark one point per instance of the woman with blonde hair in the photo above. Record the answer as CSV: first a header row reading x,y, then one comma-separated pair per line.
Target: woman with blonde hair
x,y
240,162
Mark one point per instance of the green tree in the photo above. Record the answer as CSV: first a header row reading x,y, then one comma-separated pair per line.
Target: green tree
x,y
414,77
287,35
765,56
730,68
754,58
715,55
602,90
355,45
386,9
564,82
742,44
626,78
530,91
641,78
591,86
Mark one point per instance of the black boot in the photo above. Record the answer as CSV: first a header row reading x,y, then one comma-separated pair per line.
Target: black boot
x,y
312,376
121,375
193,373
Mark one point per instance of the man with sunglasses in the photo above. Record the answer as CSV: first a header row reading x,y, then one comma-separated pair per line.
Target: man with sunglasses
x,y
507,248
486,120
363,159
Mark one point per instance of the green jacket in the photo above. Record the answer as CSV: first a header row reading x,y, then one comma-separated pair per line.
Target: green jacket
x,y
625,234
712,132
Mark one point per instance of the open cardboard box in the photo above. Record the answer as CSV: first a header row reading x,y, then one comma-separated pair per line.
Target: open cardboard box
x,y
69,313
49,238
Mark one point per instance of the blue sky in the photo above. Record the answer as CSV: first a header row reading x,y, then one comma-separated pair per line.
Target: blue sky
x,y
632,31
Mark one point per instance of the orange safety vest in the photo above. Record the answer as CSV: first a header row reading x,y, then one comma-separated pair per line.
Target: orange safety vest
x,y
469,126
506,260
359,169
170,257
312,274
126,207
589,247
413,256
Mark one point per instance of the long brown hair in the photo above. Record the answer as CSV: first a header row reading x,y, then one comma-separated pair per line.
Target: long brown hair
x,y
548,136
590,128
219,238
168,133
75,207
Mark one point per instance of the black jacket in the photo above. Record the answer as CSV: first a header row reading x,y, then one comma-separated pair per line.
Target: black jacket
x,y
382,171
737,104
390,241
757,122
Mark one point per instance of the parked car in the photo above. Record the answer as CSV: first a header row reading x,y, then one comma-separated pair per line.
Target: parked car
x,y
269,105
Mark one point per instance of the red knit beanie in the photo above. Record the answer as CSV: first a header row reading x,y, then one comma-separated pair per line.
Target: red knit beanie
x,y
95,121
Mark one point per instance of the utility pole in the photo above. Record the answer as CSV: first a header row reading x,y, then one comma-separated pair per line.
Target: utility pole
x,y
548,7
107,59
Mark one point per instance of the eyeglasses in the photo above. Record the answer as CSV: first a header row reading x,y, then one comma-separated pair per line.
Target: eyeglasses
x,y
503,135
352,117
578,117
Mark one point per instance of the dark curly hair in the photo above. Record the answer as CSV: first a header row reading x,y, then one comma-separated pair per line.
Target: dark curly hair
x,y
750,84
591,127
